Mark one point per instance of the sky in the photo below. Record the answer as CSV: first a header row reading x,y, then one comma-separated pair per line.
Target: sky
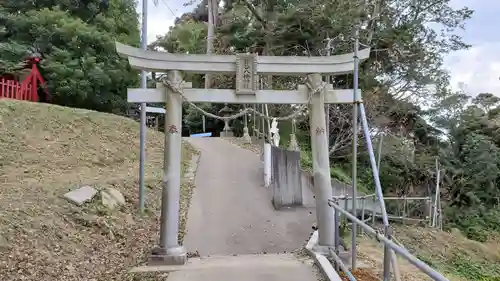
x,y
476,69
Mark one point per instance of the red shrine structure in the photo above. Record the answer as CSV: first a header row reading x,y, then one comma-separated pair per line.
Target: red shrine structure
x,y
25,85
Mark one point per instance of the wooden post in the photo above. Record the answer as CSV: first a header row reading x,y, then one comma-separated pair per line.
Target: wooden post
x,y
321,159
346,207
440,215
438,176
373,210
404,209
363,199
428,209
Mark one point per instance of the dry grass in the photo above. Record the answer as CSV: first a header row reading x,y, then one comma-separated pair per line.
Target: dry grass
x,y
371,254
361,274
48,150
452,254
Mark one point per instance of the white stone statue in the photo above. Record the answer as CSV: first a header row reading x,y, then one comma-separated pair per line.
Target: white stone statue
x,y
275,133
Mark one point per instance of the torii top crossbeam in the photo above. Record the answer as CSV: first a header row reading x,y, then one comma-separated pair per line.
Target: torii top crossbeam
x,y
275,65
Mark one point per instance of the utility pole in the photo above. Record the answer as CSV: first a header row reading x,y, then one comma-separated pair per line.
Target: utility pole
x,y
212,15
212,7
142,152
327,106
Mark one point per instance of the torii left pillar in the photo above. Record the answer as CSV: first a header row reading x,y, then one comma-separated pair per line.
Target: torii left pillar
x,y
169,251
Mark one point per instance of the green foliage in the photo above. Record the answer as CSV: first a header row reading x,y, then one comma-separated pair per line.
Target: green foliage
x,y
76,45
306,159
340,174
471,163
478,223
471,270
459,264
185,37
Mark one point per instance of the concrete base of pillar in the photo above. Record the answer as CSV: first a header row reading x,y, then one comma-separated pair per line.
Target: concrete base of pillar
x,y
323,250
173,256
317,252
345,256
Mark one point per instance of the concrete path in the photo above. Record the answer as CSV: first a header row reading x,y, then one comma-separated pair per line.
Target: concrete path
x,y
231,211
231,219
269,267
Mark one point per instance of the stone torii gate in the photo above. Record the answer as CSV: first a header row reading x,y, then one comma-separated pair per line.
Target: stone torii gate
x,y
247,67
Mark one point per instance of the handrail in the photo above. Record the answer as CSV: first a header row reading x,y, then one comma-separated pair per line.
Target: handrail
x,y
344,197
396,248
407,198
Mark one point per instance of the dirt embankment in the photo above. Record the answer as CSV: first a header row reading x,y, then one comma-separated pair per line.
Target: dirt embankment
x,y
46,151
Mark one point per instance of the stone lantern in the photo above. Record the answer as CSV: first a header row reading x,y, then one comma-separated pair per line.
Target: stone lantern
x,y
293,145
225,112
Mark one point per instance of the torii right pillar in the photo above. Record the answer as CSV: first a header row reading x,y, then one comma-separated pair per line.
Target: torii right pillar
x,y
321,165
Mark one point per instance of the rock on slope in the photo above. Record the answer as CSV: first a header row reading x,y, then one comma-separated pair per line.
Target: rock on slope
x,y
47,150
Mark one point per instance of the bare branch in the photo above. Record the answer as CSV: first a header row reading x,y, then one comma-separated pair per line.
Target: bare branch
x,y
254,11
373,20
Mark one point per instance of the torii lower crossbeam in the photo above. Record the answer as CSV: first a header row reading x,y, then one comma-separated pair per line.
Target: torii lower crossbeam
x,y
300,96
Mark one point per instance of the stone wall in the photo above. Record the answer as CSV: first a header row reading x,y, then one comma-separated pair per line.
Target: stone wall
x,y
293,186
307,188
286,178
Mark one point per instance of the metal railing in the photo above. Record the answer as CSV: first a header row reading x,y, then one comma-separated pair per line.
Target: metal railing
x,y
338,210
370,208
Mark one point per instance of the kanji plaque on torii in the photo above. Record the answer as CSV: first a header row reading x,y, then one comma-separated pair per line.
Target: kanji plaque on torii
x,y
246,74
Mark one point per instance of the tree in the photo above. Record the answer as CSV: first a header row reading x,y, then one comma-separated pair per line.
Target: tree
x,y
486,101
76,45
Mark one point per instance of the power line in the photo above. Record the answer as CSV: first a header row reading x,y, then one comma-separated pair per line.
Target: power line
x,y
170,9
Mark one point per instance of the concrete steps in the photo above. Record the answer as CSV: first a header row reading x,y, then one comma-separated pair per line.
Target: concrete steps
x,y
267,267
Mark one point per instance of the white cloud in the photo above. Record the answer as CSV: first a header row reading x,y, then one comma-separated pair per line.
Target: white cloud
x,y
162,16
477,68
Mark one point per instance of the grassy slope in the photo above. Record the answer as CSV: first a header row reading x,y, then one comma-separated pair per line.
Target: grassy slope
x,y
47,150
452,253
455,256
